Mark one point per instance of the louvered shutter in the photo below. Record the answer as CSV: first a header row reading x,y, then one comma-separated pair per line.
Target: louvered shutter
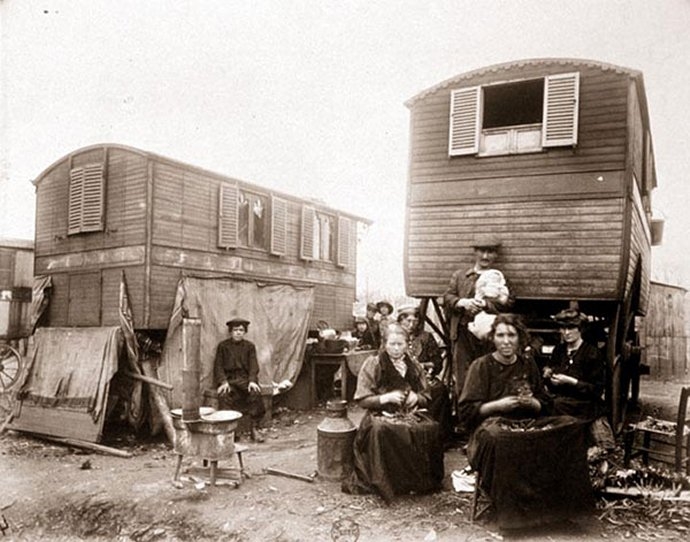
x,y
344,245
86,199
76,190
92,197
307,233
227,216
464,121
278,226
561,100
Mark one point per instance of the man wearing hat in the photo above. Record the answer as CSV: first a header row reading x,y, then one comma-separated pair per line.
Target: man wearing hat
x,y
462,305
236,374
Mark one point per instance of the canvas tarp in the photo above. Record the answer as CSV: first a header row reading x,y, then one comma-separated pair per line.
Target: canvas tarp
x,y
279,316
65,389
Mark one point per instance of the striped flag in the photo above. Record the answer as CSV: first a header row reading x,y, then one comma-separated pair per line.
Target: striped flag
x,y
127,324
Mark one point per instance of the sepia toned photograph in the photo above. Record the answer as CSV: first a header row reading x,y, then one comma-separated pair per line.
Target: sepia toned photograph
x,y
344,271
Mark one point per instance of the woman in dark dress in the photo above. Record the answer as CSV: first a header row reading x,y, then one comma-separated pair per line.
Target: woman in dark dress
x,y
576,376
397,449
533,468
423,348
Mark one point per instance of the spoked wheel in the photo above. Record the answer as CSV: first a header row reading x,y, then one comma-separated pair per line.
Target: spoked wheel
x,y
10,367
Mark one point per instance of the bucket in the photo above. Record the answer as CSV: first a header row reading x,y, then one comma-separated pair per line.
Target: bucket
x,y
335,441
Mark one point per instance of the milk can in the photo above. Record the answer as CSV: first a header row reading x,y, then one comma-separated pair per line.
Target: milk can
x,y
335,439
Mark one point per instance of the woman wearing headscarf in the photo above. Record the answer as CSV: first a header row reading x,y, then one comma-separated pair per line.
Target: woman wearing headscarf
x,y
397,448
423,348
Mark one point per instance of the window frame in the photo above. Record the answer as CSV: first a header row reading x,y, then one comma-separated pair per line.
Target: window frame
x,y
558,127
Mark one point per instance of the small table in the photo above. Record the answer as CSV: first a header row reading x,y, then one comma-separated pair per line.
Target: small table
x,y
347,361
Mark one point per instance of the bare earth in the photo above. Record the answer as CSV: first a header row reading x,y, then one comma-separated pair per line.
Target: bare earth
x,y
53,492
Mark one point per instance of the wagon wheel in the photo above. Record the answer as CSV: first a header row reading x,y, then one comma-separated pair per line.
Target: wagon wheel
x,y
623,355
440,327
10,367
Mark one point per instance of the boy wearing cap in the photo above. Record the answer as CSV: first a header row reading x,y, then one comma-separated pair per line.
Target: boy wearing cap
x,y
462,305
236,372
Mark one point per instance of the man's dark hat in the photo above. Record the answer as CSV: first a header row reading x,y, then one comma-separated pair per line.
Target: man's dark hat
x,y
570,317
236,322
372,307
486,240
385,304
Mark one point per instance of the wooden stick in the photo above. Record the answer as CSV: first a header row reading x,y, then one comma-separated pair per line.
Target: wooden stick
x,y
149,380
88,445
159,402
290,475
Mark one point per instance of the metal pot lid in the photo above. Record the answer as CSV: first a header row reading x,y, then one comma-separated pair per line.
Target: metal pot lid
x,y
221,416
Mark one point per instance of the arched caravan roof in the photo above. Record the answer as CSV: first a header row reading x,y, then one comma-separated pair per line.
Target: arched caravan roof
x,y
567,63
188,167
509,66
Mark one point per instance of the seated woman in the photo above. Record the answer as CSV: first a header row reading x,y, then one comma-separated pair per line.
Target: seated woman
x,y
575,376
533,468
423,348
397,449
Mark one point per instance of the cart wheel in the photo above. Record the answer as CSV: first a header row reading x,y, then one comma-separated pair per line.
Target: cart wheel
x,y
10,367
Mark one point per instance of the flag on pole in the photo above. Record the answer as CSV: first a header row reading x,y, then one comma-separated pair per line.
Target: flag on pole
x,y
127,325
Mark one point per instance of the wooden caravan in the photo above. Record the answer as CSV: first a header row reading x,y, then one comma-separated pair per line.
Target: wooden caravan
x,y
555,156
108,208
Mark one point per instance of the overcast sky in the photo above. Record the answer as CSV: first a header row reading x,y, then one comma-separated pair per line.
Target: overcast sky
x,y
307,96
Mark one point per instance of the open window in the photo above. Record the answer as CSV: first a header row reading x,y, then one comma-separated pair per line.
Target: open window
x,y
251,220
318,235
514,117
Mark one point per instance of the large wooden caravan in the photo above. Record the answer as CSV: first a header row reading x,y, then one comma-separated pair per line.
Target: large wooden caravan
x,y
555,156
108,208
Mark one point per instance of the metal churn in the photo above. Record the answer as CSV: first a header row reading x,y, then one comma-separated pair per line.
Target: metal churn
x,y
335,440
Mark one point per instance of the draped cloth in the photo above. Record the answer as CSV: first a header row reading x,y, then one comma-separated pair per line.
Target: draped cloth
x,y
534,470
279,316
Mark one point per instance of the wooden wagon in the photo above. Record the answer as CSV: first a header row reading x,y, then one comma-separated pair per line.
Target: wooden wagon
x,y
108,208
554,156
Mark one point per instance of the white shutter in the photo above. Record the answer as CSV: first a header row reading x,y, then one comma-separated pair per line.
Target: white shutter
x,y
76,190
307,233
344,244
561,100
465,109
227,216
278,226
92,198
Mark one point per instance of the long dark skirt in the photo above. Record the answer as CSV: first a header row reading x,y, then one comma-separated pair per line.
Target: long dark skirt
x,y
534,471
394,456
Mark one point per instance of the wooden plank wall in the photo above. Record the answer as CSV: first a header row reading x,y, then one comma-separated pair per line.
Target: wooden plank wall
x,y
550,249
665,333
601,140
184,216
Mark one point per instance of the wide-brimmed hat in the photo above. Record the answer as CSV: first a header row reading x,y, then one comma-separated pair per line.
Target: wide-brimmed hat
x,y
361,320
408,309
372,307
486,240
236,322
570,318
385,304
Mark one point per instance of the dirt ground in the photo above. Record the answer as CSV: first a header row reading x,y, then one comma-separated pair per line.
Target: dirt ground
x,y
54,492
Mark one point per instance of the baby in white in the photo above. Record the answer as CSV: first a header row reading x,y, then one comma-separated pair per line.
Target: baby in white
x,y
491,285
